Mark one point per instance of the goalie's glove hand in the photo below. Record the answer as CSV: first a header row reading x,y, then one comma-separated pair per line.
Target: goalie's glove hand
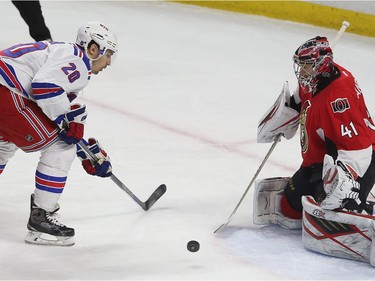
x,y
279,119
72,123
102,167
339,184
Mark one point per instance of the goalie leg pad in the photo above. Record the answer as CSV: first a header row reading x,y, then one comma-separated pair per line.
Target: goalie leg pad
x,y
267,203
339,234
372,250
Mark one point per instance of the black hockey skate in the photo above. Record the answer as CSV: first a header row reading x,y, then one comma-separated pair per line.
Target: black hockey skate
x,y
45,228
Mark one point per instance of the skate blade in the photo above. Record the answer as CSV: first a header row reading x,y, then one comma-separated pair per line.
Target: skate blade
x,y
39,238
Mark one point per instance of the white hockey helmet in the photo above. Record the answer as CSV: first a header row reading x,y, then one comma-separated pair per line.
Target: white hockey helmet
x,y
100,34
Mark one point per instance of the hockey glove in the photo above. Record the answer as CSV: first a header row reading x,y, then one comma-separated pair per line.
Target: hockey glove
x,y
339,183
102,167
279,119
72,124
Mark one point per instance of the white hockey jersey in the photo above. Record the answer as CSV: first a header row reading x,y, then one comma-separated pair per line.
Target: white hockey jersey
x,y
49,73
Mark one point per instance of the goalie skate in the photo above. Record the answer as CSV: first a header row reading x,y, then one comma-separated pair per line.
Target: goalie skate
x,y
45,228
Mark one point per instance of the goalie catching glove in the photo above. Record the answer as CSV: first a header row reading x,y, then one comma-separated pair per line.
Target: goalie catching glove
x,y
72,124
339,183
279,119
97,167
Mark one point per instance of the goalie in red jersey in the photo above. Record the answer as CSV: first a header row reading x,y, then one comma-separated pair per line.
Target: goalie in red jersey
x,y
337,137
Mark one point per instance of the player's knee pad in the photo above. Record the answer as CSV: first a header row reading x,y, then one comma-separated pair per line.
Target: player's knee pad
x,y
58,156
7,151
267,203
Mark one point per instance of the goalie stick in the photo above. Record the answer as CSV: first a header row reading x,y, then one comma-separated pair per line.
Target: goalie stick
x,y
344,25
251,182
145,205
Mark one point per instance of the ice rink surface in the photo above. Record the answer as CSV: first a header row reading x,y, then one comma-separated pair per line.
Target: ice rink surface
x,y
179,106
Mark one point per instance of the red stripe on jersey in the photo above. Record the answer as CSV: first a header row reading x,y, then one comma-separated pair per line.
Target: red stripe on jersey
x,y
10,76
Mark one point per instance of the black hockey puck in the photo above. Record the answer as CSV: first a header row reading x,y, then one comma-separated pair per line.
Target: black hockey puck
x,y
193,246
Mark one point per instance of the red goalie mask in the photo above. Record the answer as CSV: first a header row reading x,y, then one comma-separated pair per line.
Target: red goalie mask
x,y
313,60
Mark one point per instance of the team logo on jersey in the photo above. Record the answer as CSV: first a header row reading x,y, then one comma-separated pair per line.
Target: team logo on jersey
x,y
29,138
304,138
340,105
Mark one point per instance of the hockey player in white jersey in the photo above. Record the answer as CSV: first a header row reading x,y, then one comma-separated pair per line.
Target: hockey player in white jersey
x,y
38,82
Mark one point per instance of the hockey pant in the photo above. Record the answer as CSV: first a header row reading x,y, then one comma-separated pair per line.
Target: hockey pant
x,y
24,125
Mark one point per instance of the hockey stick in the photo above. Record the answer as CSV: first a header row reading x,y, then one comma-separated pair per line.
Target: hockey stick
x,y
251,182
344,25
145,205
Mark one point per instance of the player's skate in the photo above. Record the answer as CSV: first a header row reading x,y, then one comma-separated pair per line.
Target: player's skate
x,y
45,229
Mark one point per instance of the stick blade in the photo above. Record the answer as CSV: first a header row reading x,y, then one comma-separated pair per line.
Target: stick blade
x,y
220,227
155,196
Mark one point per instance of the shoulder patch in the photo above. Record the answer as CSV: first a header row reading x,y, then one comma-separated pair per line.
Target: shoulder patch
x,y
340,105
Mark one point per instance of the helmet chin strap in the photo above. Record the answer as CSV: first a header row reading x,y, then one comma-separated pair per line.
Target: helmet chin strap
x,y
90,58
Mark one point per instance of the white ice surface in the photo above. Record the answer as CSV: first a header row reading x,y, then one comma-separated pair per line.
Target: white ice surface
x,y
179,106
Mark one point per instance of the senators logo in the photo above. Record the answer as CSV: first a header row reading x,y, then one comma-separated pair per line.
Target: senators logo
x,y
340,105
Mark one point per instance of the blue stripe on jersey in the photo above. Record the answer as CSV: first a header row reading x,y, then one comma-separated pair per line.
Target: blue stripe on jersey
x,y
80,52
9,75
46,90
49,183
2,167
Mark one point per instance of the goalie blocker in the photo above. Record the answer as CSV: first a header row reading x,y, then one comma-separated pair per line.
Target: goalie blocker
x,y
334,233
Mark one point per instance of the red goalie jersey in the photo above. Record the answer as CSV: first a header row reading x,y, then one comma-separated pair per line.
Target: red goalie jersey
x,y
336,120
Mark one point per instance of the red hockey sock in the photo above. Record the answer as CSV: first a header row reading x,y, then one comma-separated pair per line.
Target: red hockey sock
x,y
288,211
